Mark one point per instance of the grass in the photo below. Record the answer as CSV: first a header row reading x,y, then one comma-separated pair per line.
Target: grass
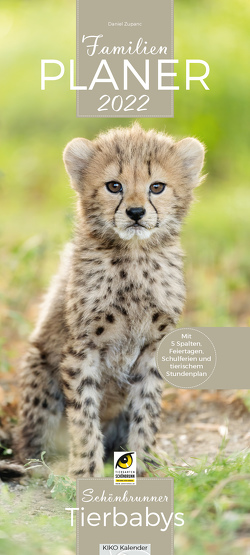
x,y
24,533
214,497
37,208
215,501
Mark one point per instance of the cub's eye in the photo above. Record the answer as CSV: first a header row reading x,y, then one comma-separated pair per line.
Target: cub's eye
x,y
114,187
157,188
125,461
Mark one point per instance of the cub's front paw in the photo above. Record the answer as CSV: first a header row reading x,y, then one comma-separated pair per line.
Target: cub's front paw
x,y
92,470
146,463
141,470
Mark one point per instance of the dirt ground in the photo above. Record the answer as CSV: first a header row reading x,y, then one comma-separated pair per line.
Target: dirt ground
x,y
39,496
194,424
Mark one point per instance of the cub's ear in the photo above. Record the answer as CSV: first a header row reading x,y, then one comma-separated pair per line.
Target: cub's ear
x,y
191,155
76,155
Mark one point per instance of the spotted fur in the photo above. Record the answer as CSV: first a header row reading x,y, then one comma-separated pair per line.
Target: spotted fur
x,y
118,291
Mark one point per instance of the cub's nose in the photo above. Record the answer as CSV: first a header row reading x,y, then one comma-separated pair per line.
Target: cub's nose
x,y
135,213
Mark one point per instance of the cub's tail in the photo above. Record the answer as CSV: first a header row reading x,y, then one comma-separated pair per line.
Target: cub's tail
x,y
9,469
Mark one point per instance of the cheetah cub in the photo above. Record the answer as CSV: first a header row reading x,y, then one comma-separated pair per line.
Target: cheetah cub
x,y
118,291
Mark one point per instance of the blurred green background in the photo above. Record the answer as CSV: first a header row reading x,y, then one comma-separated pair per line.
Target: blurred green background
x,y
37,203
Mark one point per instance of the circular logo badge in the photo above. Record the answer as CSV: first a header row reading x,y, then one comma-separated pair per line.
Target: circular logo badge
x,y
186,358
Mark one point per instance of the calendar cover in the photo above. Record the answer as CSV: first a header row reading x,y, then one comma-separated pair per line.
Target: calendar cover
x,y
125,298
